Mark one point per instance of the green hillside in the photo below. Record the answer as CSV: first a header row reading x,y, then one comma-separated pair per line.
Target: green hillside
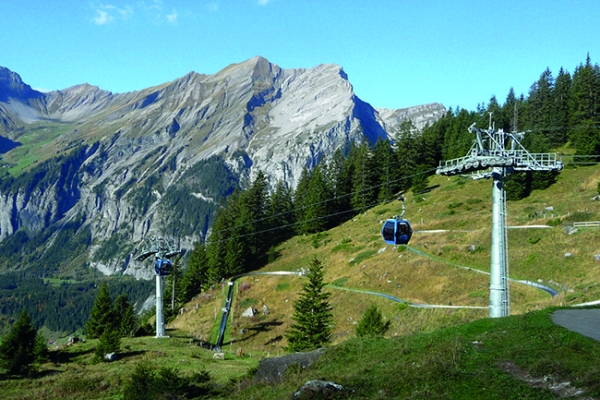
x,y
427,353
453,229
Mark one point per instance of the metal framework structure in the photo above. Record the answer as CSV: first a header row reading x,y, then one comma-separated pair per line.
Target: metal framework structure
x,y
494,154
162,249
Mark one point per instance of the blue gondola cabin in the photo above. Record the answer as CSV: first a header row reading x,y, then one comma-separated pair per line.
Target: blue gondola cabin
x,y
396,231
163,267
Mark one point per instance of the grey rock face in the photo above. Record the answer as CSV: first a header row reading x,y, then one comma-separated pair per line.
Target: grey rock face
x,y
141,147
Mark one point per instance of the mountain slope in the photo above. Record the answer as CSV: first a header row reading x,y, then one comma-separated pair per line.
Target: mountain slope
x,y
157,161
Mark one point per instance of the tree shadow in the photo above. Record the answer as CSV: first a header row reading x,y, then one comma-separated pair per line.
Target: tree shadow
x,y
274,340
262,327
128,354
7,145
63,357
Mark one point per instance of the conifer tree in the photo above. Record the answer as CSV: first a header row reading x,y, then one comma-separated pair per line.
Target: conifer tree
x,y
585,93
254,208
301,201
196,274
364,179
280,211
109,342
216,243
125,319
173,286
339,174
317,207
101,315
21,347
312,313
372,324
406,152
387,170
562,106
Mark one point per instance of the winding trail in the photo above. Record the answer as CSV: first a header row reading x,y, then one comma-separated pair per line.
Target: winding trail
x,y
229,299
545,288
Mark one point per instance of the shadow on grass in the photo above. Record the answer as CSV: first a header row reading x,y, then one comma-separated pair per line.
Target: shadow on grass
x,y
262,327
127,354
63,357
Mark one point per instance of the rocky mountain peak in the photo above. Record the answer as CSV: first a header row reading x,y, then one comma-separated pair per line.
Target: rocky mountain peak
x,y
12,86
157,156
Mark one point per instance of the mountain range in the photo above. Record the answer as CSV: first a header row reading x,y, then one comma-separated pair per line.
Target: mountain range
x,y
86,174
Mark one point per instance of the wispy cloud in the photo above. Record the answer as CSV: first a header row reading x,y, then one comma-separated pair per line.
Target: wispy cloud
x,y
106,13
172,18
264,2
212,6
102,18
153,10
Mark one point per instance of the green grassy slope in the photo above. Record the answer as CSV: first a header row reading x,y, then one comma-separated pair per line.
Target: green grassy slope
x,y
356,258
427,353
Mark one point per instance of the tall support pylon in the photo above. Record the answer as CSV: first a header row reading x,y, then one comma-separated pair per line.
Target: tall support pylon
x,y
493,155
162,249
498,276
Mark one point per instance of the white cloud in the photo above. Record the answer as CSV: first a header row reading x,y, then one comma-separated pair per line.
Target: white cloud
x,y
102,18
172,18
106,13
126,12
264,2
212,6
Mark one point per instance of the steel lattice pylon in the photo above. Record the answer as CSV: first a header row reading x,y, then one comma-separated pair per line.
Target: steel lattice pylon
x,y
493,155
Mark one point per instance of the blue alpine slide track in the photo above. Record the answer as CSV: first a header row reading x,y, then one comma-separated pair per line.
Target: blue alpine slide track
x,y
231,284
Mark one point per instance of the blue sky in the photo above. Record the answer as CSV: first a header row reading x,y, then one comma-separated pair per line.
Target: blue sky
x,y
397,53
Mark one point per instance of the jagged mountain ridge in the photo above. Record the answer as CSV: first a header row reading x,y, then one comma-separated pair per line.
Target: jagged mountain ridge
x,y
144,146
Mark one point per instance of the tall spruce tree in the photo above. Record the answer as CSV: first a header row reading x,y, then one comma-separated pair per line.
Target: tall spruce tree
x,y
196,274
339,174
364,177
253,221
21,347
101,315
280,211
387,170
216,243
317,203
301,200
126,320
312,313
585,92
562,106
173,295
407,152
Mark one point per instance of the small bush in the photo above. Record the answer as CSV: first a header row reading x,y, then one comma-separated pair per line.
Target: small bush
x,y
580,216
382,211
554,222
372,324
248,302
282,286
340,282
474,201
455,204
360,257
